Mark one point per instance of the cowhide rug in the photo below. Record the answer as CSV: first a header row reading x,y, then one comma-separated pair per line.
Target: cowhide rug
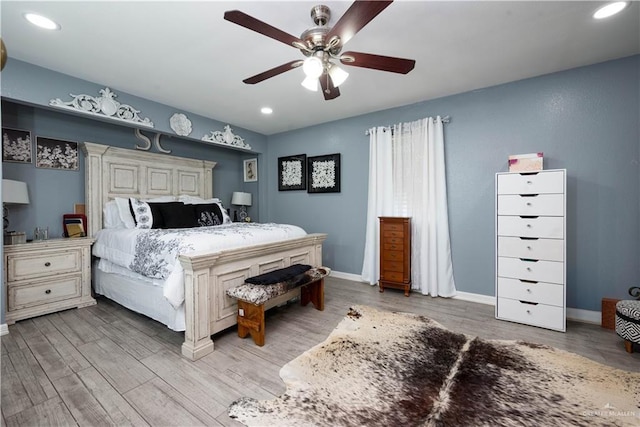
x,y
397,369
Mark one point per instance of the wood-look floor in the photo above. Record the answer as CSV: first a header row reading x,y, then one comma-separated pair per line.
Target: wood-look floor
x,y
105,365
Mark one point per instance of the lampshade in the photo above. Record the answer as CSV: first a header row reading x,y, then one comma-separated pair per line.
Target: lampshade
x,y
338,75
14,192
310,83
241,199
313,67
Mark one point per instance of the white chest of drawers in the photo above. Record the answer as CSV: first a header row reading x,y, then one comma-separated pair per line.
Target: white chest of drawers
x,y
47,276
530,248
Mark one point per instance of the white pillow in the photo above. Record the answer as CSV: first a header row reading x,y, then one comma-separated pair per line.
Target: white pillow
x,y
195,200
125,212
111,216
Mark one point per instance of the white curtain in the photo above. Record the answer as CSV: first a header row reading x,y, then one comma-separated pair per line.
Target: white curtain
x,y
414,167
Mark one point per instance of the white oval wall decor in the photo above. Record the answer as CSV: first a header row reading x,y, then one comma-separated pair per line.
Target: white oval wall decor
x,y
180,124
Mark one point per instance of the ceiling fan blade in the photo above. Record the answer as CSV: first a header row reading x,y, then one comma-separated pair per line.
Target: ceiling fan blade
x,y
328,89
272,72
378,62
359,14
263,28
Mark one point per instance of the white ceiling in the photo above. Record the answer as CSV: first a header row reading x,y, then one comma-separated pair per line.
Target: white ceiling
x,y
184,53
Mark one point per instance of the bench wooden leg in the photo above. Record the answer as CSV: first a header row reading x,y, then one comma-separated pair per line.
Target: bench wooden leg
x,y
251,321
314,293
628,345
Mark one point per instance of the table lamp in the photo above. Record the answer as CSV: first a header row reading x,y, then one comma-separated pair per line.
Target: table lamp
x,y
243,200
13,193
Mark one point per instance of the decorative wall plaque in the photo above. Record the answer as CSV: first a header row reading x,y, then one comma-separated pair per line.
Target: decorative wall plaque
x,y
104,106
226,138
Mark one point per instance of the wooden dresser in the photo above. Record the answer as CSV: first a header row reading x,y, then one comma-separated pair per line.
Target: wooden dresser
x,y
47,276
530,248
395,253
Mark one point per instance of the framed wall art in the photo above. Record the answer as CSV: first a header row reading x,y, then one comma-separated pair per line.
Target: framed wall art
x,y
16,146
323,174
292,172
250,170
56,154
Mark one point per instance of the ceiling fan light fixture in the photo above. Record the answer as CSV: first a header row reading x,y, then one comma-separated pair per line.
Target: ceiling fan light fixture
x,y
338,75
313,67
310,83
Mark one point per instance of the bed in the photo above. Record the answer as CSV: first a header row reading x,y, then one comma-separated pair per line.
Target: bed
x,y
206,272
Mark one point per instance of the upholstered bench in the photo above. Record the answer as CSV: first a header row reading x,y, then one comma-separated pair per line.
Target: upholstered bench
x,y
253,298
628,322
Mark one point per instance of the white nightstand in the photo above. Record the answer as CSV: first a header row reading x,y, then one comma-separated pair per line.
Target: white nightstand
x,y
47,276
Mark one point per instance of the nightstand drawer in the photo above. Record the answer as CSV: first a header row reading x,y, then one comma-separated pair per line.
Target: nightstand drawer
x,y
34,294
43,264
392,276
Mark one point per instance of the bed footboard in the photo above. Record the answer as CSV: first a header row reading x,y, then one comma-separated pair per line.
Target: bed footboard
x,y
208,309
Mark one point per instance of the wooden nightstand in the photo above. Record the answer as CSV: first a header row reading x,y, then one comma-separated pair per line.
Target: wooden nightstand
x,y
47,276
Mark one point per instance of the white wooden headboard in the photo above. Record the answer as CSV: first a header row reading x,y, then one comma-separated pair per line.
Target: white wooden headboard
x,y
119,172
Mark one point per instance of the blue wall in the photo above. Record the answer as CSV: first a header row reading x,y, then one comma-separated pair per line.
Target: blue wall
x,y
585,120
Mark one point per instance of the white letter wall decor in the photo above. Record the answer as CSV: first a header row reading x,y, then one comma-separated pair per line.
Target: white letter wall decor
x,y
104,106
147,141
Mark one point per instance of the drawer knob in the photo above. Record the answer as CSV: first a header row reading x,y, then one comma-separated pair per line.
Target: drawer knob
x,y
48,291
529,247
528,311
528,290
528,225
47,264
528,268
529,182
528,203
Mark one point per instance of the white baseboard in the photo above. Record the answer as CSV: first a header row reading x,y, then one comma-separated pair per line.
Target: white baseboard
x,y
577,314
482,299
347,276
4,329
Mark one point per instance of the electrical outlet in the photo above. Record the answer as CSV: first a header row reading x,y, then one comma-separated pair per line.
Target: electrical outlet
x,y
241,312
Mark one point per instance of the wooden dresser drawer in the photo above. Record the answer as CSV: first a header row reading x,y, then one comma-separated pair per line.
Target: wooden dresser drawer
x,y
531,248
386,235
392,266
44,292
395,246
546,316
392,276
43,264
539,204
393,255
531,183
551,227
538,271
540,292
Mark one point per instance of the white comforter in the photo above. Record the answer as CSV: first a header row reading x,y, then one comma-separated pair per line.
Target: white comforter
x,y
154,253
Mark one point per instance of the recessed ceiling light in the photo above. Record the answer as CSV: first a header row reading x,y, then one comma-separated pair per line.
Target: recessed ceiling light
x,y
266,110
41,21
610,9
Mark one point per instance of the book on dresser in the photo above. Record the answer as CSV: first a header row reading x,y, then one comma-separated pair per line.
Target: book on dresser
x,y
531,248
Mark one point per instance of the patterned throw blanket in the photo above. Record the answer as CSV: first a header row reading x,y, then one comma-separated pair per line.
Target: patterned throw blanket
x,y
395,369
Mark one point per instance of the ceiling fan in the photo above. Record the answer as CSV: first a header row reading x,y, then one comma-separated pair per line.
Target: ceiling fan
x,y
322,44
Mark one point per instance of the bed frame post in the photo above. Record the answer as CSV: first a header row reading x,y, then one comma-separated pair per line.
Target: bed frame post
x,y
197,299
93,185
